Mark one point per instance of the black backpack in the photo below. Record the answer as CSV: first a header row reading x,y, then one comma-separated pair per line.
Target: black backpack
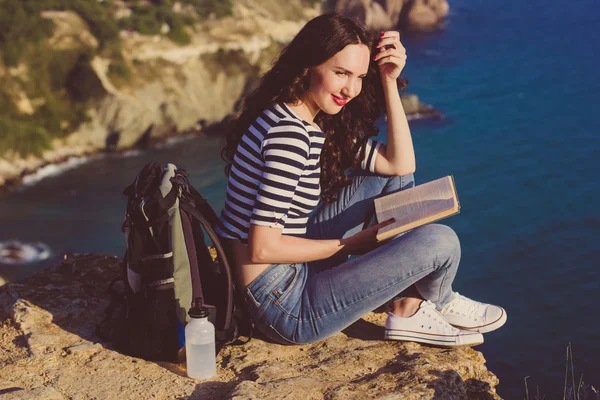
x,y
166,266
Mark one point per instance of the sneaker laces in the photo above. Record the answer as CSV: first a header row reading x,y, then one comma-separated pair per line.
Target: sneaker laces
x,y
431,312
464,306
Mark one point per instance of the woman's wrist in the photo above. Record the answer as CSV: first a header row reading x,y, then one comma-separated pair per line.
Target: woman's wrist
x,y
392,99
390,85
344,246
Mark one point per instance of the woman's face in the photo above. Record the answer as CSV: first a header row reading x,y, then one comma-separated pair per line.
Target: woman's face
x,y
339,79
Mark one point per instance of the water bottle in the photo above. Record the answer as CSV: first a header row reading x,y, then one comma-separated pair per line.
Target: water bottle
x,y
200,344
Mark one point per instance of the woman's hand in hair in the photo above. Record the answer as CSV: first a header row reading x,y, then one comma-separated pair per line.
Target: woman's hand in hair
x,y
391,55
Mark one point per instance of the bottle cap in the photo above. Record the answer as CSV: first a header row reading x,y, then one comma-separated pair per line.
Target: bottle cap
x,y
197,311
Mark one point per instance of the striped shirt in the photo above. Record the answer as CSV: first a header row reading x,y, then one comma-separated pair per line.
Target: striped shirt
x,y
275,175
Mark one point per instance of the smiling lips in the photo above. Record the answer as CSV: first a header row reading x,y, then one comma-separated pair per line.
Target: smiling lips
x,y
339,101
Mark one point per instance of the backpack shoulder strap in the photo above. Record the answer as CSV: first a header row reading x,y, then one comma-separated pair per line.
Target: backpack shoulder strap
x,y
224,263
188,232
205,208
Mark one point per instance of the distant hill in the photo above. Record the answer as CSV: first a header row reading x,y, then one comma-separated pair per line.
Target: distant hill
x,y
82,76
47,83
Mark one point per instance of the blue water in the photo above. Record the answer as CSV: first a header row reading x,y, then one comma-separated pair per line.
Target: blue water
x,y
518,84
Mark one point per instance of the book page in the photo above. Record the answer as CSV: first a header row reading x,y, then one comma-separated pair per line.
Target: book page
x,y
417,203
425,210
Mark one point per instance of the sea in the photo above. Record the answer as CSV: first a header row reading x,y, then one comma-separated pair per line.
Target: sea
x,y
517,83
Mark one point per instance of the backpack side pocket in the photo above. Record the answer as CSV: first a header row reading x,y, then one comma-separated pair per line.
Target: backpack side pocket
x,y
151,319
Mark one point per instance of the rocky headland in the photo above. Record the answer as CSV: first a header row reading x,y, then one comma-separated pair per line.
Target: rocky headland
x,y
409,15
48,350
176,89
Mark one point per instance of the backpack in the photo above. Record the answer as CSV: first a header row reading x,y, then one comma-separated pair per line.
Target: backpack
x,y
168,265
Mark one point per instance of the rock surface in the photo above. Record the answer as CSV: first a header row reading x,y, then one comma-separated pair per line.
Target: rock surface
x,y
49,351
381,15
414,15
425,15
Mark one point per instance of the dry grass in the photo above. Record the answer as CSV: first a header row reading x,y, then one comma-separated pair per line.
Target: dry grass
x,y
581,391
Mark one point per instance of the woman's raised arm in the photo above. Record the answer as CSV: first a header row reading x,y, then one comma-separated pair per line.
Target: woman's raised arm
x,y
398,157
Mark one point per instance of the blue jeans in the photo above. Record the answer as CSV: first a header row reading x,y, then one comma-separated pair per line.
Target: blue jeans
x,y
307,302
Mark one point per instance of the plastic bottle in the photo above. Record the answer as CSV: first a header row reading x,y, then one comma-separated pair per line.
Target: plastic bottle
x,y
200,344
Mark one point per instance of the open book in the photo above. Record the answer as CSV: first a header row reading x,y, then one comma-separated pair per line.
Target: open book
x,y
417,206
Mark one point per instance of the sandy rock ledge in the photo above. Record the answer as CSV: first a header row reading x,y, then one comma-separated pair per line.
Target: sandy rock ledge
x,y
48,350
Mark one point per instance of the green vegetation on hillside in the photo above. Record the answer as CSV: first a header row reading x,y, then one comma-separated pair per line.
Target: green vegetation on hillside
x,y
61,83
21,25
148,20
45,91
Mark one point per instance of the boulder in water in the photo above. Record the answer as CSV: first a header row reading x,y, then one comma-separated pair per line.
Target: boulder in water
x,y
14,252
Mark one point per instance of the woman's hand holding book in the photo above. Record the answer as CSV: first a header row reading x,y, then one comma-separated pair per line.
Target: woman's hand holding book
x,y
365,240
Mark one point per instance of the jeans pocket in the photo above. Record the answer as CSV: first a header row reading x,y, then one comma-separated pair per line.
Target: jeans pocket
x,y
286,294
277,287
257,310
278,337
261,286
258,293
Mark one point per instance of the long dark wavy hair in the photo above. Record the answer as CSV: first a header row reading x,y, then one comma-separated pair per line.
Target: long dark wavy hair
x,y
287,81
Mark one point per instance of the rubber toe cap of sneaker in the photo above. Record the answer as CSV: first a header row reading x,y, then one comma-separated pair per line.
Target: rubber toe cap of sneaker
x,y
495,317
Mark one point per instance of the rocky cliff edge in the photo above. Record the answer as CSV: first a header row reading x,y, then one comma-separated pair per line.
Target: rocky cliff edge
x,y
49,351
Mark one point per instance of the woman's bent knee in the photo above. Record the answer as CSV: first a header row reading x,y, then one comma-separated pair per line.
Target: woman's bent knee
x,y
440,239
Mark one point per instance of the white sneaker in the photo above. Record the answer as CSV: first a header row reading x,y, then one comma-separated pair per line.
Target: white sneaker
x,y
427,325
472,315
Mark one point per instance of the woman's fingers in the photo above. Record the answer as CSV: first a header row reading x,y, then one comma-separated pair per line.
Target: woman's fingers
x,y
389,44
390,41
387,41
386,53
375,227
383,224
392,59
386,34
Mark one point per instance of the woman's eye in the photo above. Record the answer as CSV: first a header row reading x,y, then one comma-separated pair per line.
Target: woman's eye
x,y
340,73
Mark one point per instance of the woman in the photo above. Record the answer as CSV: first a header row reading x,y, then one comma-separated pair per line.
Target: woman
x,y
304,135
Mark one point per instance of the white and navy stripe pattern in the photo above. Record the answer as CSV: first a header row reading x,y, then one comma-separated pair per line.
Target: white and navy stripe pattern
x,y
275,174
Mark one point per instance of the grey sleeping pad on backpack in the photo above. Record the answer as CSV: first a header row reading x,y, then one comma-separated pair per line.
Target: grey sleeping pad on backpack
x,y
182,277
181,262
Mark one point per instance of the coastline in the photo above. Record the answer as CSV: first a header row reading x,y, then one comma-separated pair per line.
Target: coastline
x,y
20,172
172,88
33,170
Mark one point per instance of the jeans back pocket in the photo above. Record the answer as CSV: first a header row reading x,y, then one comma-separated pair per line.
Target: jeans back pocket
x,y
287,292
257,292
274,293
